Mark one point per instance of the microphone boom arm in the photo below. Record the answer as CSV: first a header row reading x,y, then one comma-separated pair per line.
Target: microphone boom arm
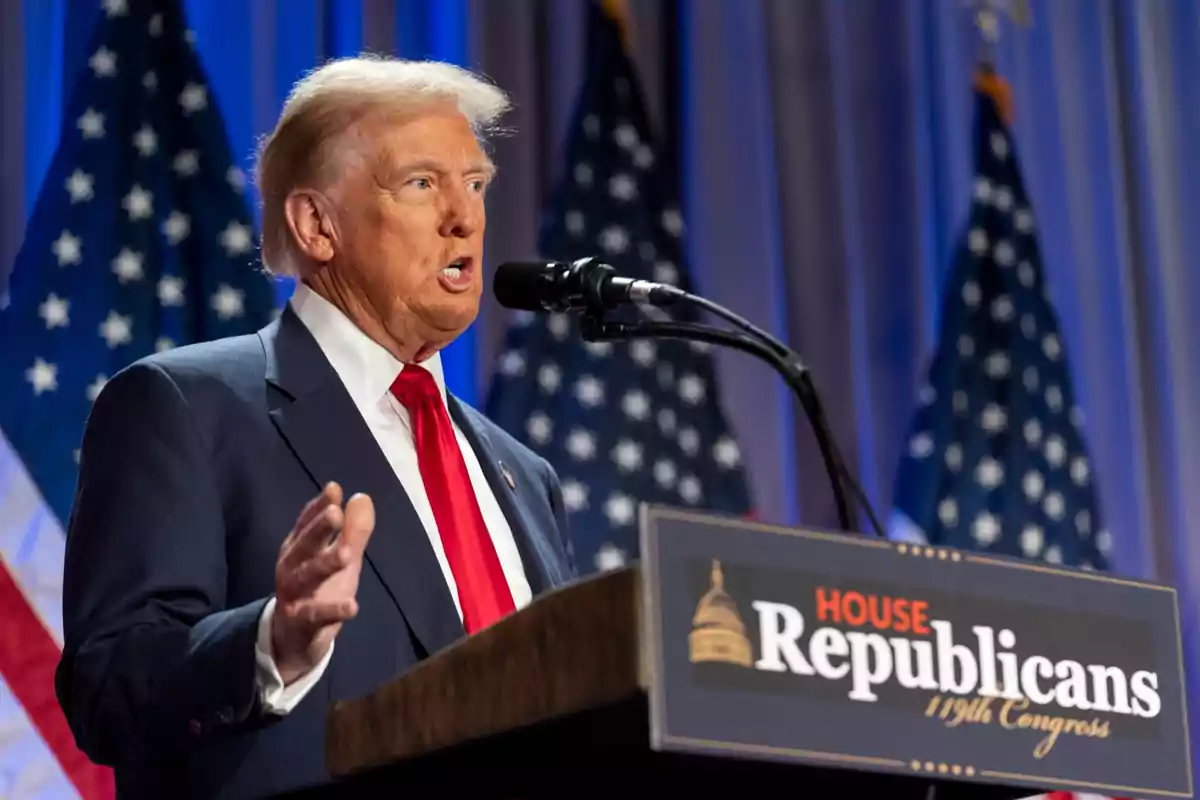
x,y
764,347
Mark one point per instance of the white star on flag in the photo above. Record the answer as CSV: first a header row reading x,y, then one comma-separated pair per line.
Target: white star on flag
x,y
609,557
170,290
236,239
81,186
67,249
116,329
95,387
193,98
91,124
575,495
139,203
127,266
145,140
54,310
43,376
227,302
103,62
176,227
186,163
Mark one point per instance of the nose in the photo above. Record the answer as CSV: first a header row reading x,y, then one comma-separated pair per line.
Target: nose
x,y
462,214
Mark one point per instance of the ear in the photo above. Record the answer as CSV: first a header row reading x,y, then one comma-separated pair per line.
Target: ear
x,y
310,224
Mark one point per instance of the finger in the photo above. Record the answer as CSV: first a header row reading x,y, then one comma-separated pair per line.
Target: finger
x,y
359,522
313,538
316,614
331,494
310,574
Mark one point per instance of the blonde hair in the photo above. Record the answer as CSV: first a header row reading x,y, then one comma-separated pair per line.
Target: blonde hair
x,y
329,102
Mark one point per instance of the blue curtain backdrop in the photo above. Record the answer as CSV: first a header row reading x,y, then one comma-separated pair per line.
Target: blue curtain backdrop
x,y
824,156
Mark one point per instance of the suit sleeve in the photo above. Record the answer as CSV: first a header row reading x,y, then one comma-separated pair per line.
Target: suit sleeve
x,y
554,489
152,662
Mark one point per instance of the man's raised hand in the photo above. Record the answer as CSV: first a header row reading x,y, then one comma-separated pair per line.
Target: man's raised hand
x,y
316,579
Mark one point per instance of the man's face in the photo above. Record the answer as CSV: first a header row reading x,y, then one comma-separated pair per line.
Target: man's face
x,y
411,221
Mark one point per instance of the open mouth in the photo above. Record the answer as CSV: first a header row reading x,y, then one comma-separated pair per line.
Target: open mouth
x,y
458,275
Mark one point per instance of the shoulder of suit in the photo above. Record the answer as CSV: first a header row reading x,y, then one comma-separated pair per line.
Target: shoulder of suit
x,y
235,363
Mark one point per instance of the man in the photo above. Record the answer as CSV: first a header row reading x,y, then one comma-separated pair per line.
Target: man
x,y
267,524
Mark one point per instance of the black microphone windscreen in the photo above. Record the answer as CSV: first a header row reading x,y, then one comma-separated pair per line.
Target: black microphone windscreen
x,y
523,285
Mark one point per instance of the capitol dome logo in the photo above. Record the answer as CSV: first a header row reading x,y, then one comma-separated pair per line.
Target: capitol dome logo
x,y
718,633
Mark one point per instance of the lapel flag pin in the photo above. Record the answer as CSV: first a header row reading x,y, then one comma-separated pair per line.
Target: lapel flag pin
x,y
508,476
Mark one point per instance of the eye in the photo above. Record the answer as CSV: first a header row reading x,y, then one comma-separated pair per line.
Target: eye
x,y
478,185
421,183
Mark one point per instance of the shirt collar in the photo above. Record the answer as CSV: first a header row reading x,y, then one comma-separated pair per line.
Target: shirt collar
x,y
364,366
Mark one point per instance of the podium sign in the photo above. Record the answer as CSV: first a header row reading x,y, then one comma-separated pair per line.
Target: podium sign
x,y
834,650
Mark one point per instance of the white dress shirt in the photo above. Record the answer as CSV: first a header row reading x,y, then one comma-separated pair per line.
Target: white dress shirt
x,y
367,370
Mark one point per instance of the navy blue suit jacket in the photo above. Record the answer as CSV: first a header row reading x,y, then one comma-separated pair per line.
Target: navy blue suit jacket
x,y
195,464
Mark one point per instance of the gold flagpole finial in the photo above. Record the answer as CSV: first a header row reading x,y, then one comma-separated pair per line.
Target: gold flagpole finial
x,y
618,12
987,21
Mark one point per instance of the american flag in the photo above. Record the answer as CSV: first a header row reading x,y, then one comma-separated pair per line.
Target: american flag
x,y
621,422
995,458
140,240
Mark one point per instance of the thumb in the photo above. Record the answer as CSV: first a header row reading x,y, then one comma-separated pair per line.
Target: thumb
x,y
359,522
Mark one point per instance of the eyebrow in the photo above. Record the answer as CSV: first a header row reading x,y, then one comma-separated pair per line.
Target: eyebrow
x,y
485,167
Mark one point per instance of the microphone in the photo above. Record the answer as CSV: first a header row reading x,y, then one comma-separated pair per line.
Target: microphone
x,y
584,284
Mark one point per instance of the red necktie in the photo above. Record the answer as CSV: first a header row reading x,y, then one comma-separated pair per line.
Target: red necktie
x,y
483,592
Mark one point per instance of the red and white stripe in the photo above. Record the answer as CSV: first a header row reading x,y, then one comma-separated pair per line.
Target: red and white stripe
x,y
38,757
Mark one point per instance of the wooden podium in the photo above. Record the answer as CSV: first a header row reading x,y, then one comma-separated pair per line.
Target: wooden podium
x,y
552,702
570,696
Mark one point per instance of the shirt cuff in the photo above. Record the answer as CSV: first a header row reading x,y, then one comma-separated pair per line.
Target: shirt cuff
x,y
277,698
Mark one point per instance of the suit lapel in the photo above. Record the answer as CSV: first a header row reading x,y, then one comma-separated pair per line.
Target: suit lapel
x,y
327,433
498,474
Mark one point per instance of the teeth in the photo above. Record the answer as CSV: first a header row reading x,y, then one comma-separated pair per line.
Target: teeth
x,y
452,272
